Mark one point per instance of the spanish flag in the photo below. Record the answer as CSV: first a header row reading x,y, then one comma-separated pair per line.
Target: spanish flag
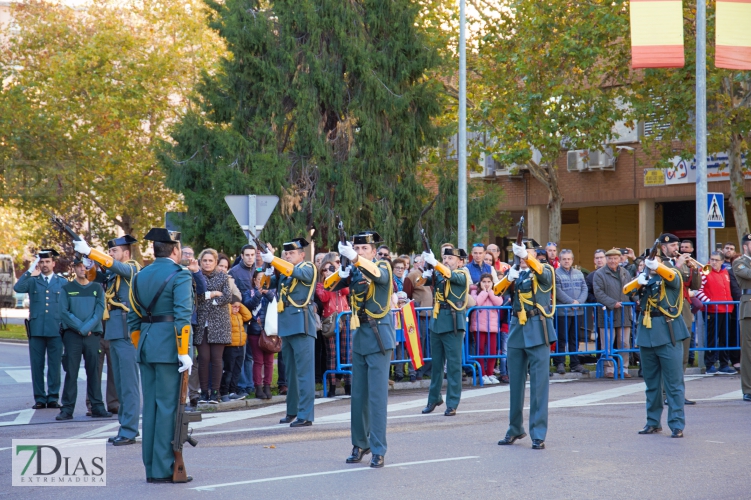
x,y
412,335
657,34
733,34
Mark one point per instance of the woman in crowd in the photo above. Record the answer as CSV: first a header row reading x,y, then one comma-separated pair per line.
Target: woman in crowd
x,y
489,259
399,267
263,362
486,322
224,266
214,327
333,304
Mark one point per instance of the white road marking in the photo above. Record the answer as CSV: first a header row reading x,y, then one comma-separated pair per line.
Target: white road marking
x,y
211,420
19,344
326,473
730,395
24,376
23,417
594,397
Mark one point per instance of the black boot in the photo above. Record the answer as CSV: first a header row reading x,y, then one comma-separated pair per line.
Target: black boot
x,y
267,391
331,392
260,393
347,389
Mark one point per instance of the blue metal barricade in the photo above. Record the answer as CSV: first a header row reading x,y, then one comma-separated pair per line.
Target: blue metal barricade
x,y
343,341
721,335
622,330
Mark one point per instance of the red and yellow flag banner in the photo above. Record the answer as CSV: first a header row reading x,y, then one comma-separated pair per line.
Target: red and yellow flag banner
x,y
657,34
412,335
733,34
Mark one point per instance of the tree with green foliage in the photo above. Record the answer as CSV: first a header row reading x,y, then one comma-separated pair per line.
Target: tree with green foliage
x,y
88,91
546,77
667,97
323,103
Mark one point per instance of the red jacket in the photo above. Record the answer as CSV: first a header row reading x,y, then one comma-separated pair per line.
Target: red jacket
x,y
333,302
715,287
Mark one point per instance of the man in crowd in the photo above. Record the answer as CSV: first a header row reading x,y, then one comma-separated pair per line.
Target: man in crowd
x,y
295,288
451,289
81,309
43,329
493,250
243,275
626,254
687,247
659,337
199,287
160,326
715,287
373,340
477,267
742,271
530,333
570,288
551,251
118,277
729,252
608,284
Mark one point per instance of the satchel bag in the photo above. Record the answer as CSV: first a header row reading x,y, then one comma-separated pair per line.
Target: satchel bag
x,y
328,326
271,326
269,344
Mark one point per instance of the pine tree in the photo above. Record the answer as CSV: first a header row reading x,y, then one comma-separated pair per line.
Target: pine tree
x,y
322,102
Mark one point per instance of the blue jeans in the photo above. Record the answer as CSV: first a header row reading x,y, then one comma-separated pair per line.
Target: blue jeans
x,y
503,348
245,383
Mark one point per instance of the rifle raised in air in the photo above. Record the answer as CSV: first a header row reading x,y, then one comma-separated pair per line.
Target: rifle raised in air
x,y
334,278
60,223
519,241
262,247
182,432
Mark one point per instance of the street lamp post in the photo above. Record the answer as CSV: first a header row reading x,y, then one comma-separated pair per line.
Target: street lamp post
x,y
462,153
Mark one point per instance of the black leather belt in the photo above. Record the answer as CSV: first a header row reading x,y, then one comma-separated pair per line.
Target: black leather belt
x,y
531,313
655,314
168,318
746,291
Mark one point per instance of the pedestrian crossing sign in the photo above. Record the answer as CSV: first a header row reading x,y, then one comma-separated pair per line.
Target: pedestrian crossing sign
x,y
715,210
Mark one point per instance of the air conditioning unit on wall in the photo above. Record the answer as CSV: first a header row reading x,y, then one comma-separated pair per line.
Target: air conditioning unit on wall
x,y
577,160
602,159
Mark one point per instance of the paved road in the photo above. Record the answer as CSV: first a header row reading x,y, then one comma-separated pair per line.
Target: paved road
x,y
592,448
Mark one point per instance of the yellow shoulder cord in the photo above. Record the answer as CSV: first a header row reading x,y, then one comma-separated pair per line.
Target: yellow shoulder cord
x,y
535,287
371,295
285,292
679,301
443,296
133,302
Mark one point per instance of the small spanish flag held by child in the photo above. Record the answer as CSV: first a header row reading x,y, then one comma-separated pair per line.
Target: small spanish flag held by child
x,y
412,335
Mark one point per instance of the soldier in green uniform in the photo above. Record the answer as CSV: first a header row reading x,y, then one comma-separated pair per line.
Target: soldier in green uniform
x,y
118,276
742,271
373,340
660,332
530,333
451,288
295,288
43,287
159,322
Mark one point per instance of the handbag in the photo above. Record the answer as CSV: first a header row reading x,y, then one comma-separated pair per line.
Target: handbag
x,y
328,326
269,344
271,324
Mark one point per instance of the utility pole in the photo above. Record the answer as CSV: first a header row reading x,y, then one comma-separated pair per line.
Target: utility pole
x,y
462,185
702,254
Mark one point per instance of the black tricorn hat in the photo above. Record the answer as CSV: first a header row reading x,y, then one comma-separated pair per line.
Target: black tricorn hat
x,y
296,244
162,235
530,243
456,252
122,240
366,237
47,253
77,259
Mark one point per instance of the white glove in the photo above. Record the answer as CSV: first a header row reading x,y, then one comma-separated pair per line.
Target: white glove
x,y
344,273
429,258
186,363
651,264
513,274
33,265
520,251
88,263
269,271
346,250
82,247
267,257
427,274
642,279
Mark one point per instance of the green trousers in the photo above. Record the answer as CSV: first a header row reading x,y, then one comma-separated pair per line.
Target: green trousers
x,y
745,356
537,361
370,393
125,372
52,349
299,366
446,347
76,347
161,389
662,366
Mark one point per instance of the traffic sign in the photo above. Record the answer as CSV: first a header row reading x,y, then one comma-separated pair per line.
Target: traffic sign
x,y
251,211
715,210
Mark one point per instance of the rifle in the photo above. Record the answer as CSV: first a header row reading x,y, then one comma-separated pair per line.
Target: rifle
x,y
425,243
261,246
519,241
182,432
633,285
330,282
60,223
